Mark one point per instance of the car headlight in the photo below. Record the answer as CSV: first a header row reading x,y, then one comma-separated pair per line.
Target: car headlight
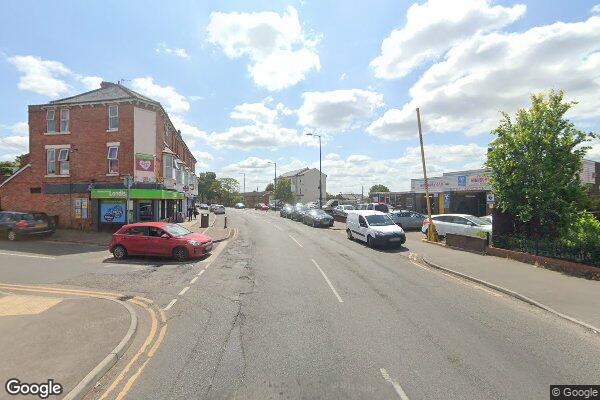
x,y
194,243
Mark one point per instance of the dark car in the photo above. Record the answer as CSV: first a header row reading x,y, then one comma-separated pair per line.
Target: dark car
x,y
317,218
159,239
298,212
407,219
240,206
15,225
285,210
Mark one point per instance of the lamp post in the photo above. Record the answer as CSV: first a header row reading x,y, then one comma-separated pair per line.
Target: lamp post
x,y
431,231
243,173
320,172
274,180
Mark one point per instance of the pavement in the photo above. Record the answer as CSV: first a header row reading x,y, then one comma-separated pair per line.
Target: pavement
x,y
216,227
44,335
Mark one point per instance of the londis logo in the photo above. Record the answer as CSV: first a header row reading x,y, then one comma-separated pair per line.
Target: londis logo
x,y
118,193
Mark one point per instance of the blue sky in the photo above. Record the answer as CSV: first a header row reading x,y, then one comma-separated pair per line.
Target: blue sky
x,y
245,80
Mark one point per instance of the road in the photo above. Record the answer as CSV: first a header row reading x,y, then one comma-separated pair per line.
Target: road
x,y
290,311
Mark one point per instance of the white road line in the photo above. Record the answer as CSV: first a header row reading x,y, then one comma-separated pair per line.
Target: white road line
x,y
193,280
201,272
185,289
395,384
2,253
168,307
297,242
328,281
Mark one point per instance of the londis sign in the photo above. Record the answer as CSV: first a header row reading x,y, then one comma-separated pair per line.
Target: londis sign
x,y
149,194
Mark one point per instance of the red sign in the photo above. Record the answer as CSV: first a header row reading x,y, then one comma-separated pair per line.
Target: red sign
x,y
144,164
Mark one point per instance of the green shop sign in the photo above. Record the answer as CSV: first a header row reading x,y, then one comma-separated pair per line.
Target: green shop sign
x,y
153,194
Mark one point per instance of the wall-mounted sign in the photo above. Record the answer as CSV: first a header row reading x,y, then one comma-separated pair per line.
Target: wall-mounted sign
x,y
144,162
112,212
136,194
490,198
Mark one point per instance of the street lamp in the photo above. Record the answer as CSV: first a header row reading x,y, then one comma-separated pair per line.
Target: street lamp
x,y
320,172
274,180
243,173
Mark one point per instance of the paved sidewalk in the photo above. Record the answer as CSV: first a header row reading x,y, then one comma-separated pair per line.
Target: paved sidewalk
x,y
576,297
47,336
216,227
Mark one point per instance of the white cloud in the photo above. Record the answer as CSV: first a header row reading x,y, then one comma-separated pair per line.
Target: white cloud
x,y
17,129
162,48
435,26
595,9
14,143
337,109
41,76
594,152
203,155
280,52
91,82
343,76
166,95
499,71
257,112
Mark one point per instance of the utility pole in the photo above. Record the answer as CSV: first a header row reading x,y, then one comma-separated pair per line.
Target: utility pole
x,y
431,231
243,173
128,182
320,171
362,191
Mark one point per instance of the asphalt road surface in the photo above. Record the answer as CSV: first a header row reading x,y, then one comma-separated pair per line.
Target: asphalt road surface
x,y
290,311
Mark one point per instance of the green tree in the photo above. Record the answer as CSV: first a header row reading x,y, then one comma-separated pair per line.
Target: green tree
x,y
228,191
269,188
7,167
378,188
535,163
283,190
206,186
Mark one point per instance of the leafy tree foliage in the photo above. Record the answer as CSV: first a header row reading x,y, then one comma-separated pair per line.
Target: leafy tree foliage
x,y
535,162
269,188
378,188
7,167
283,190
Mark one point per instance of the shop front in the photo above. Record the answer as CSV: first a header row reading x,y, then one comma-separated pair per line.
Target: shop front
x,y
144,205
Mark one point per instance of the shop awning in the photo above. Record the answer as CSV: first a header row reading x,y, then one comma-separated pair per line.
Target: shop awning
x,y
150,194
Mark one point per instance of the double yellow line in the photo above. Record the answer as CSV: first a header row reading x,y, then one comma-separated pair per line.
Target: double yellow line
x,y
146,351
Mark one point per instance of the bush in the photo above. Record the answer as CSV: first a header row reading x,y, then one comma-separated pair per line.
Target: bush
x,y
584,231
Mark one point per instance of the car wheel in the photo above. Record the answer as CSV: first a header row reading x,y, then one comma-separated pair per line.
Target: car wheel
x,y
314,224
11,235
119,252
370,242
180,254
349,233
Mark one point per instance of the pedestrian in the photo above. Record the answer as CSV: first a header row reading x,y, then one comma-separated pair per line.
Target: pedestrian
x,y
190,213
196,212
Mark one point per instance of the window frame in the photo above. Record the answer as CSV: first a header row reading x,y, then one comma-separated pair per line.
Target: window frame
x,y
53,120
115,117
112,160
66,120
53,161
64,167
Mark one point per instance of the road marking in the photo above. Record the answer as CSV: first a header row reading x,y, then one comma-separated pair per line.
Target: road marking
x,y
202,271
297,242
328,281
2,253
395,384
171,304
193,280
185,289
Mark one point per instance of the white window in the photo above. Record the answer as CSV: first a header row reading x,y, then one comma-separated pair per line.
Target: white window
x,y
113,160
176,175
167,166
64,120
50,123
63,159
113,118
51,161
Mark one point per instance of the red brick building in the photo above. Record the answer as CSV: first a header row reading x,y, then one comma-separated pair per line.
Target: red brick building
x,y
81,149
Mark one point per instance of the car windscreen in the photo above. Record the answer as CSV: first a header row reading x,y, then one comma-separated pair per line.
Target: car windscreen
x,y
348,207
382,208
394,216
379,220
478,221
318,212
176,230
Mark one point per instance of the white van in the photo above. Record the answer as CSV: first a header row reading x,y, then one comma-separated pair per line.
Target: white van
x,y
374,228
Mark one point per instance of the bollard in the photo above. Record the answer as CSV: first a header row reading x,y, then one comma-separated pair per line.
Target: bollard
x,y
225,225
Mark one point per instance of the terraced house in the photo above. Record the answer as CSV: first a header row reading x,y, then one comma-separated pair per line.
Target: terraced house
x,y
83,148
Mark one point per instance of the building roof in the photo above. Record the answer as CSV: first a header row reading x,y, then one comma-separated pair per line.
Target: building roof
x,y
17,172
108,92
297,172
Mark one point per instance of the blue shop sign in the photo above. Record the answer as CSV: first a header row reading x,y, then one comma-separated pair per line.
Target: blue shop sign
x,y
112,212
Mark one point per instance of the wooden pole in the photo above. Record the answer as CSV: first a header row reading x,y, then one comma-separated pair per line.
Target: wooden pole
x,y
431,232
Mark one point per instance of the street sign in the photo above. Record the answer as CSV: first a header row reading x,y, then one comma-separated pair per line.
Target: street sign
x,y
462,180
490,198
447,200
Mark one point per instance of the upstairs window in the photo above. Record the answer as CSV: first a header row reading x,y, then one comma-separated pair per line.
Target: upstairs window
x,y
50,123
51,162
167,166
113,160
113,118
64,120
63,159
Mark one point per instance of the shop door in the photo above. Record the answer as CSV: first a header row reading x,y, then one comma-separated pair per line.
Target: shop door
x,y
145,210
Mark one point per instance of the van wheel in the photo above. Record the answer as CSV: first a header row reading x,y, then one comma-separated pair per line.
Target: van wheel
x,y
180,254
349,233
119,252
370,242
11,235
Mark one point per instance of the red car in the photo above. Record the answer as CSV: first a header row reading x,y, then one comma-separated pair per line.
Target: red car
x,y
262,207
159,239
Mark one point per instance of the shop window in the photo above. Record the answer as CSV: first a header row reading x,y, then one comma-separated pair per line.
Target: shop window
x,y
50,122
113,160
113,118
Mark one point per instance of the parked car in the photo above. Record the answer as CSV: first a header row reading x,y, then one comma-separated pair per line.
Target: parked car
x,y
407,219
342,210
285,210
240,206
15,225
159,239
298,212
316,218
374,206
487,218
218,209
211,208
313,204
459,224
374,228
261,207
204,206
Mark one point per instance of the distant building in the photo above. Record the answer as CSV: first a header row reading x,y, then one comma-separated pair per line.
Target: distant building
x,y
253,198
305,184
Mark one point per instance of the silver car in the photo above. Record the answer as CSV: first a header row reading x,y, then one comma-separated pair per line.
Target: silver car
x,y
407,219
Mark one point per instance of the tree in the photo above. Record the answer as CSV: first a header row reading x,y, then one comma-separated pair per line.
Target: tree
x,y
7,167
535,163
269,188
206,186
377,189
283,190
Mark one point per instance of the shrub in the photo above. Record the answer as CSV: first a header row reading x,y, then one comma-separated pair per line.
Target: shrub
x,y
584,231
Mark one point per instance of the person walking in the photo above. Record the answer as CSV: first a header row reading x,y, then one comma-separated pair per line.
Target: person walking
x,y
190,213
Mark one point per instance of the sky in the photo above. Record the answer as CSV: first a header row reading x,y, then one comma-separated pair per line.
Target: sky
x,y
245,81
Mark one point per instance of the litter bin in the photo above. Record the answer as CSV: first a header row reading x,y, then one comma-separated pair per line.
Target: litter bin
x,y
203,220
